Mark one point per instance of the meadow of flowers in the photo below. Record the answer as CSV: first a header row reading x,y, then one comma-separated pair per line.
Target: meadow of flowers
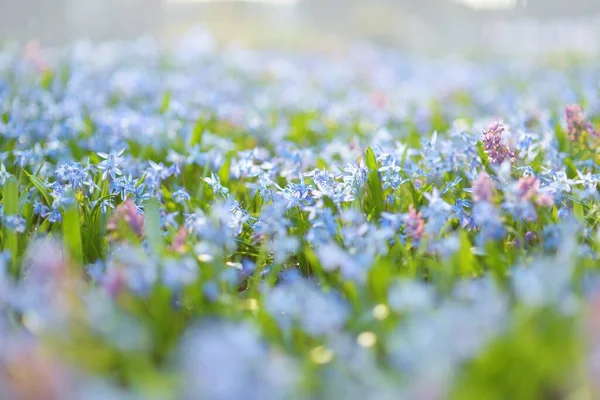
x,y
203,223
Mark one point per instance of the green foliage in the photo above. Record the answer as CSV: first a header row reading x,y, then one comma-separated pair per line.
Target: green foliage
x,y
536,359
71,230
374,202
10,203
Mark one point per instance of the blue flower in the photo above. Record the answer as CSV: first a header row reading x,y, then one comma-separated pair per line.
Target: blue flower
x,y
110,164
215,183
15,223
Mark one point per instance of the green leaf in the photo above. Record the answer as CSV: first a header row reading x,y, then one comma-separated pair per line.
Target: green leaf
x,y
484,157
40,186
564,143
197,133
152,226
377,202
166,101
534,359
380,278
351,291
72,233
370,159
465,265
412,193
10,203
495,255
578,211
225,171
46,79
571,168
438,121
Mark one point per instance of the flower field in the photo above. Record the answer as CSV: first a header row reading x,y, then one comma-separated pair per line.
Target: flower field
x,y
202,223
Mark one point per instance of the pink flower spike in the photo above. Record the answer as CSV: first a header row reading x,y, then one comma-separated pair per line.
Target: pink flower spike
x,y
494,145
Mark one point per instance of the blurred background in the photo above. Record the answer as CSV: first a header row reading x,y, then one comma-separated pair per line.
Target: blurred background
x,y
480,26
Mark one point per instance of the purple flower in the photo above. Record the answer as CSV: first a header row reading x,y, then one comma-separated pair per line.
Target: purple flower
x,y
494,146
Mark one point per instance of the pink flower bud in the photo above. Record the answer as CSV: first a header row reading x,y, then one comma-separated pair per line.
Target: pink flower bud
x,y
126,213
527,187
415,224
576,123
483,188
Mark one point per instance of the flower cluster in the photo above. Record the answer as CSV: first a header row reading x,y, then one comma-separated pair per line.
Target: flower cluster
x,y
493,143
205,223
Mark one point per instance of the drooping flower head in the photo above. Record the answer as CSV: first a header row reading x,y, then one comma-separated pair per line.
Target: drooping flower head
x,y
494,145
